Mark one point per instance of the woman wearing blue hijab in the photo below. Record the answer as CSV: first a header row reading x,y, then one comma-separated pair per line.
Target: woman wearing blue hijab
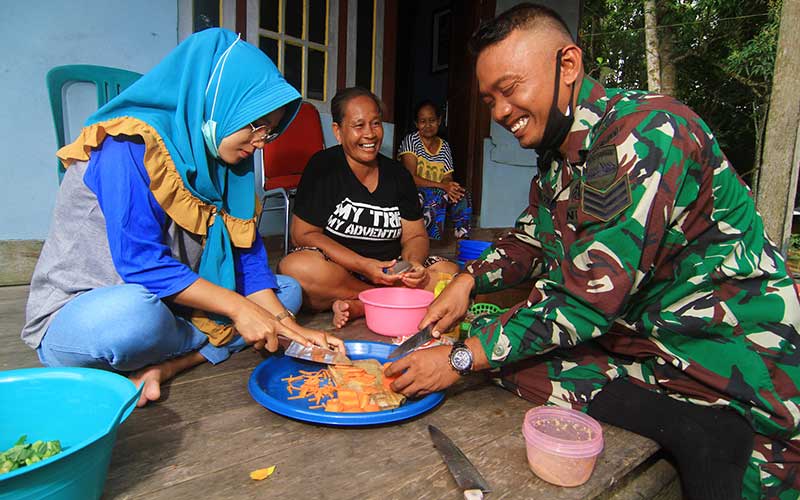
x,y
154,263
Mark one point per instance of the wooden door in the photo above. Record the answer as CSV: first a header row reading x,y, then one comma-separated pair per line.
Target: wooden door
x,y
468,117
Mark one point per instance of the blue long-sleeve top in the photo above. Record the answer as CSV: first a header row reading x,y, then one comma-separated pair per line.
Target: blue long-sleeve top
x,y
136,225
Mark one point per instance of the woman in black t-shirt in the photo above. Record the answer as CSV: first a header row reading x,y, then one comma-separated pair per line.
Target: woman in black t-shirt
x,y
357,212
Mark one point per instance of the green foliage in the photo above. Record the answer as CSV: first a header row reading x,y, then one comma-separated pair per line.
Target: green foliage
x,y
723,50
22,454
794,242
613,42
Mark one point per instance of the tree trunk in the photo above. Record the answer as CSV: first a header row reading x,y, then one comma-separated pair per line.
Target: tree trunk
x,y
775,196
760,114
651,46
666,57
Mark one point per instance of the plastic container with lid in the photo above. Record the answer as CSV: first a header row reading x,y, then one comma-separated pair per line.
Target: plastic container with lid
x,y
562,444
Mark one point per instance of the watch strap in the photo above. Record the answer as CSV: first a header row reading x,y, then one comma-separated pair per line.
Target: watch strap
x,y
284,314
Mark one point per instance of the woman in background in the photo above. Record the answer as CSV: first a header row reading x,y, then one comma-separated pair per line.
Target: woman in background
x,y
427,156
356,215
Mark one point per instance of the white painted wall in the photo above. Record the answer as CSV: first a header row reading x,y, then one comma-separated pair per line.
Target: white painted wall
x,y
507,168
35,36
40,34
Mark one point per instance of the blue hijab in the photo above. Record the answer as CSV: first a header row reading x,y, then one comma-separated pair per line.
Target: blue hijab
x,y
210,69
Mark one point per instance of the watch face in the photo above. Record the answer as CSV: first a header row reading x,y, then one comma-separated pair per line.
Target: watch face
x,y
462,359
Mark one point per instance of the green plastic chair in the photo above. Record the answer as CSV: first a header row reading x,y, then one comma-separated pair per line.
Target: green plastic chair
x,y
109,82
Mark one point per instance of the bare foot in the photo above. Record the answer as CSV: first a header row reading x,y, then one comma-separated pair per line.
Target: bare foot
x,y
153,376
346,309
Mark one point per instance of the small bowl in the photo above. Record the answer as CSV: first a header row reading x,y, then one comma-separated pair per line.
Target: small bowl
x,y
395,311
562,444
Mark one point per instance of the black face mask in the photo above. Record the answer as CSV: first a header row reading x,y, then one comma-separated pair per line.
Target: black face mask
x,y
558,124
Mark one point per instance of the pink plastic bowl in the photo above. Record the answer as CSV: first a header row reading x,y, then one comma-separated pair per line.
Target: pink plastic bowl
x,y
395,311
562,444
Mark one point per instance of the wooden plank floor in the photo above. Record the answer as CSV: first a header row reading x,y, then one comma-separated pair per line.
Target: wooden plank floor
x,y
206,434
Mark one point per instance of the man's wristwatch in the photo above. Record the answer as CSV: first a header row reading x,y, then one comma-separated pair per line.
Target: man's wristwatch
x,y
461,358
284,314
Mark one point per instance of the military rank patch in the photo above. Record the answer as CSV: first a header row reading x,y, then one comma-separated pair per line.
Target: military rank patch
x,y
608,203
601,167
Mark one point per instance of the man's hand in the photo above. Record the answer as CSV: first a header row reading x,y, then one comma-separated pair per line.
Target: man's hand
x,y
450,306
423,371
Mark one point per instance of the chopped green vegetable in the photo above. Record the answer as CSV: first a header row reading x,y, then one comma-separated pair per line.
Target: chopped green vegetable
x,y
22,454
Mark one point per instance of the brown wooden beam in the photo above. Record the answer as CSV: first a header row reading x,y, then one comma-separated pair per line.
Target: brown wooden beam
x,y
241,20
389,58
341,56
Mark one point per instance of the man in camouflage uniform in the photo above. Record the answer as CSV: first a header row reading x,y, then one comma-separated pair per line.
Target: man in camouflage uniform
x,y
649,263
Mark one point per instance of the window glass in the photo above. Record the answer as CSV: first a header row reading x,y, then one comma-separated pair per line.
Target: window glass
x,y
316,75
317,13
206,14
268,15
293,65
270,47
296,35
294,18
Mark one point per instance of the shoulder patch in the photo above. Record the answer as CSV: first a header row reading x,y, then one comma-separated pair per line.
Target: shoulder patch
x,y
601,167
608,203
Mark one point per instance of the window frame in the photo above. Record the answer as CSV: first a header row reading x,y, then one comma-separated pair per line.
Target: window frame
x,y
227,16
378,13
254,31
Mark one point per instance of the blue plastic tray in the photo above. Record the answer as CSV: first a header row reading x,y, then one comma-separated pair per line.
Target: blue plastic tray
x,y
267,388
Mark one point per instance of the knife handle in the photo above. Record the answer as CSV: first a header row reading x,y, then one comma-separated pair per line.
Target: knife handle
x,y
473,495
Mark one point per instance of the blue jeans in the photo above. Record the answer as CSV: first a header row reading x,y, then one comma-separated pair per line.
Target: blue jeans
x,y
125,328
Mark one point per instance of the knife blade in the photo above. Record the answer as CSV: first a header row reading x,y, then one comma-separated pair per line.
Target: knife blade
x,y
466,475
317,354
421,337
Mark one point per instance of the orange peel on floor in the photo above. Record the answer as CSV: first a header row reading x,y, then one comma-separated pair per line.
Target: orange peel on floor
x,y
261,474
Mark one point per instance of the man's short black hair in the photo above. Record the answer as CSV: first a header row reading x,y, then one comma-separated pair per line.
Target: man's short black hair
x,y
524,15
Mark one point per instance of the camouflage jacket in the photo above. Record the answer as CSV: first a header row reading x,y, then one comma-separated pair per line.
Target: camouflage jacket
x,y
644,238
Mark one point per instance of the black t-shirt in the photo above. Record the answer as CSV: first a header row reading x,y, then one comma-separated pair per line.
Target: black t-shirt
x,y
330,196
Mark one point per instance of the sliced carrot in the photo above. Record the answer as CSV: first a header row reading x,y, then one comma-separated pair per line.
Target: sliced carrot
x,y
387,382
348,397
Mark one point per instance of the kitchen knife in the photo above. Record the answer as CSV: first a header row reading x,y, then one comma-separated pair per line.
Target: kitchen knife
x,y
421,337
317,354
466,475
